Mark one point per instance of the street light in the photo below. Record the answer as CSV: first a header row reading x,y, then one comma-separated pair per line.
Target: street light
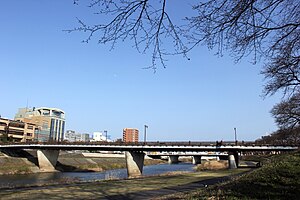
x,y
105,135
235,138
145,133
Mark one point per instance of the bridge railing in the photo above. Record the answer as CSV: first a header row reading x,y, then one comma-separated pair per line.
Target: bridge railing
x,y
156,143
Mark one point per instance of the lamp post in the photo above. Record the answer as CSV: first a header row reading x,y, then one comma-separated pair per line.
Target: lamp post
x,y
105,132
235,138
145,133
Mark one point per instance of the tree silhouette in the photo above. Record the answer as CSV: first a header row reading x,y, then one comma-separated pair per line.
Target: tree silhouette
x,y
287,113
265,30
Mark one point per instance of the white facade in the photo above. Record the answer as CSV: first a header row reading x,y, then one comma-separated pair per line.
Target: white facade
x,y
85,137
72,136
99,136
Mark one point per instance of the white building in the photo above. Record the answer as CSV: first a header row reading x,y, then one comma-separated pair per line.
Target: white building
x,y
85,137
72,136
98,136
78,137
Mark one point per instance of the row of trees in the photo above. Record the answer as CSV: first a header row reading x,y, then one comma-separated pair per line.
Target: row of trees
x,y
282,137
265,30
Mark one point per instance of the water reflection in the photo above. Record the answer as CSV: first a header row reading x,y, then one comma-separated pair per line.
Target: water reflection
x,y
64,177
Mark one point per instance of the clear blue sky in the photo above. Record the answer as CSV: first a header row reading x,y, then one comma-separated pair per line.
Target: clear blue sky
x,y
200,99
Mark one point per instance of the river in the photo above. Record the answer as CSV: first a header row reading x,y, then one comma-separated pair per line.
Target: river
x,y
22,180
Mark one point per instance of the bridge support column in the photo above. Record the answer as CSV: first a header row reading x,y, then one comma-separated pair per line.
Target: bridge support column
x,y
134,163
173,159
196,160
47,160
233,160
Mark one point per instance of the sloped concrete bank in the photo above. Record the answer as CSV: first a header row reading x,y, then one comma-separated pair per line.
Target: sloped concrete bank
x,y
26,162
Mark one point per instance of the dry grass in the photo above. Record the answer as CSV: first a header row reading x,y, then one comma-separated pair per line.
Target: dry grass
x,y
278,178
14,166
213,165
98,190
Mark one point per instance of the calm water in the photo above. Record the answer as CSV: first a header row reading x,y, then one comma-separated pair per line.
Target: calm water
x,y
42,178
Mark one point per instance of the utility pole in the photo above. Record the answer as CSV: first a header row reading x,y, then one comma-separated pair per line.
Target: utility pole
x,y
145,133
235,138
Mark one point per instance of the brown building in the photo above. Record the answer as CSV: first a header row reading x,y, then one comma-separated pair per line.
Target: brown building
x,y
130,135
16,131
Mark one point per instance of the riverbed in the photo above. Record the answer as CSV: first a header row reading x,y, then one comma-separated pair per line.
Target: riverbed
x,y
23,180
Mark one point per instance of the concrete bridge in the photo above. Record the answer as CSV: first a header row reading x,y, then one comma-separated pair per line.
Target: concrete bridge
x,y
173,157
134,153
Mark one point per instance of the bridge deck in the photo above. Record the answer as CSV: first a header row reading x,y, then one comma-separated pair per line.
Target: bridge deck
x,y
177,148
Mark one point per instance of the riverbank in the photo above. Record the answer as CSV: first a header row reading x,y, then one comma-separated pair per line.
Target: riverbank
x,y
67,162
117,189
278,178
96,162
16,165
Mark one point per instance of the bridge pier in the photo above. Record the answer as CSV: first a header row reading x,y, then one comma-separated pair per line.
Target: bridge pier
x,y
173,159
134,163
233,159
196,160
47,160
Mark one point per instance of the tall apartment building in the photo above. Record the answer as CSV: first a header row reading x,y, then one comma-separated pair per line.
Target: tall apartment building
x,y
51,122
130,135
16,131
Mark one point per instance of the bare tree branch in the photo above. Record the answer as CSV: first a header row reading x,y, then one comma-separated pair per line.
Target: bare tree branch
x,y
261,29
138,20
287,113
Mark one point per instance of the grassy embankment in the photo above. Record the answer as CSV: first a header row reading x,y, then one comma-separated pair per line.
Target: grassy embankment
x,y
278,178
9,165
14,166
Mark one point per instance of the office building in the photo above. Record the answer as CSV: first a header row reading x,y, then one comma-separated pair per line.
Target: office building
x,y
16,131
72,136
130,135
85,137
51,122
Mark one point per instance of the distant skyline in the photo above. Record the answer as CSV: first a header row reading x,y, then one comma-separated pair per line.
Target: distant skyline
x,y
99,89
